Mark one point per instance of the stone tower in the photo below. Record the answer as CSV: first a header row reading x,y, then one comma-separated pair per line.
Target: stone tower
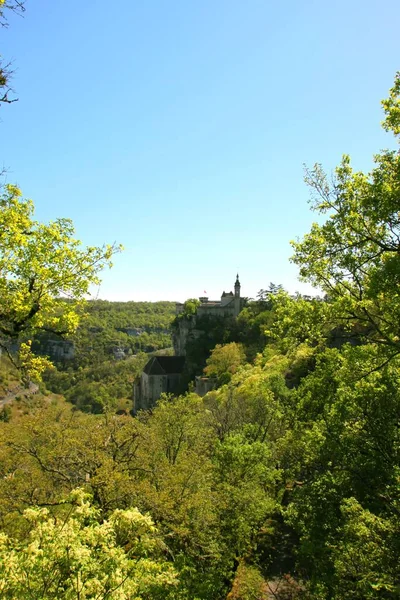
x,y
237,296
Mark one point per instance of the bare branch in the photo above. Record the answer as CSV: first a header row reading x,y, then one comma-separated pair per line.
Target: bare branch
x,y
16,6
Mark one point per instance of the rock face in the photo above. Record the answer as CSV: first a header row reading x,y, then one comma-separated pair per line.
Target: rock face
x,y
185,331
161,375
58,350
228,307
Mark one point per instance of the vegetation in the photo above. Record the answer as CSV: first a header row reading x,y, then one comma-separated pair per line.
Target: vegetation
x,y
282,482
76,556
224,362
39,265
130,326
105,387
108,351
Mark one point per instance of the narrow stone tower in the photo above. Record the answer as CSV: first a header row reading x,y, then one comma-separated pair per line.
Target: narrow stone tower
x,y
237,296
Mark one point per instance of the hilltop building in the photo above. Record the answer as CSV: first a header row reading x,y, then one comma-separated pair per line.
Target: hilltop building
x,y
163,374
230,304
228,307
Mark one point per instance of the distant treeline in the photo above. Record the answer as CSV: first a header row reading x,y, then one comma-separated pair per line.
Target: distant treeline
x,y
96,366
110,330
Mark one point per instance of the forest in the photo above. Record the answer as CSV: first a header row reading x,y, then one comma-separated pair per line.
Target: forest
x,y
110,348
282,483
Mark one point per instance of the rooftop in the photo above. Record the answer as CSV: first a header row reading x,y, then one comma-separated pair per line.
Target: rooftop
x,y
165,365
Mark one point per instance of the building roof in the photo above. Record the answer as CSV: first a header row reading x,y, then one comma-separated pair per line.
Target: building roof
x,y
217,303
211,303
165,365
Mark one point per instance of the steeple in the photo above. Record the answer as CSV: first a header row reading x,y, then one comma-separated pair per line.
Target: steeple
x,y
237,296
237,286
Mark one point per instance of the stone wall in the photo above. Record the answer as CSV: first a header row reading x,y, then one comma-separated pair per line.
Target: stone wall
x,y
149,388
203,385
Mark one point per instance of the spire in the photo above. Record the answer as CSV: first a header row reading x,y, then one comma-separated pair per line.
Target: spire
x,y
237,296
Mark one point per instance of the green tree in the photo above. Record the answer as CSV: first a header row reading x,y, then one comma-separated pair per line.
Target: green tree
x,y
354,256
341,453
45,275
78,555
225,361
366,558
189,309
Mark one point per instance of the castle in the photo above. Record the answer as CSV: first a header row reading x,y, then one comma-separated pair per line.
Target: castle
x,y
230,304
162,374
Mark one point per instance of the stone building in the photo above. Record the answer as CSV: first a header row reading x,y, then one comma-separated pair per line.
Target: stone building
x,y
230,305
203,385
188,329
161,375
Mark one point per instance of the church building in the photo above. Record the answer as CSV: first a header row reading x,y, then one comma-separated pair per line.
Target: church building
x,y
161,375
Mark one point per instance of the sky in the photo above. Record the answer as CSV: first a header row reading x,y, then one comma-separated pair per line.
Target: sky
x,y
180,128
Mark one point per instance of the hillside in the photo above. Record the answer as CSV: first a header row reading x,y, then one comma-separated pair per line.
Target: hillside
x,y
96,366
110,330
261,461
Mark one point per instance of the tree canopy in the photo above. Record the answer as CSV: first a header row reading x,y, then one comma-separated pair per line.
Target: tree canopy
x,y
76,556
41,265
282,482
354,256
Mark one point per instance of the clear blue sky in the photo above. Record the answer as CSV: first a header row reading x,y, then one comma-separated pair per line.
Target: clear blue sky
x,y
179,128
